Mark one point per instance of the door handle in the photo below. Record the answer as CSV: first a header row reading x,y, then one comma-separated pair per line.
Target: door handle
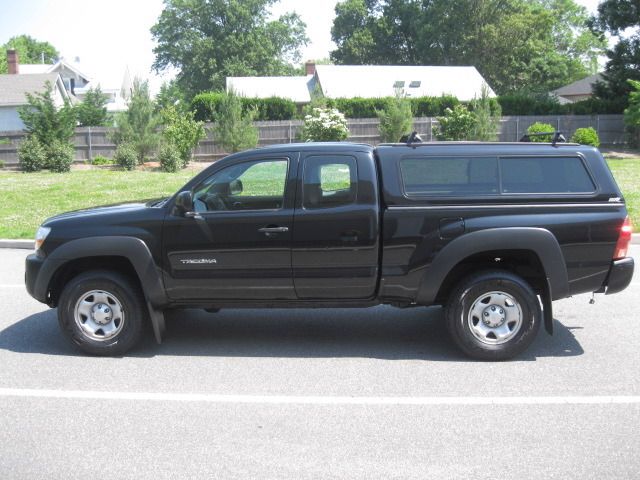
x,y
271,230
349,237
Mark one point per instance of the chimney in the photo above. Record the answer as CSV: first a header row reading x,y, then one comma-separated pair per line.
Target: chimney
x,y
12,62
310,67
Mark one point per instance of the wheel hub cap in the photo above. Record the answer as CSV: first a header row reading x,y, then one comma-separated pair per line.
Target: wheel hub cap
x,y
493,316
101,313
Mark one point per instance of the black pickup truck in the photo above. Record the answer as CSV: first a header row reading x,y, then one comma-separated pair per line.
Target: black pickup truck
x,y
493,231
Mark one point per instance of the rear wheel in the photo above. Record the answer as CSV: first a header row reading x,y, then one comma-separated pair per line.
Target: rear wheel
x,y
102,312
493,315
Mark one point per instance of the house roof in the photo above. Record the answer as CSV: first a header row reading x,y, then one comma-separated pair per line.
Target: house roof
x,y
32,68
13,88
293,88
370,81
583,86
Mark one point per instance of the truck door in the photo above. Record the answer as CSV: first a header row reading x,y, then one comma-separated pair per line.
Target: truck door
x,y
336,231
237,242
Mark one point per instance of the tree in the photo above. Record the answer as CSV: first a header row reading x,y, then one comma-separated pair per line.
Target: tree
x,y
456,124
209,40
396,119
616,17
29,50
92,111
234,130
43,119
170,95
138,125
632,113
487,113
516,45
182,132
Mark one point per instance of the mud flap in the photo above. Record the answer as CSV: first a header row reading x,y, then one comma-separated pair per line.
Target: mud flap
x,y
157,322
547,308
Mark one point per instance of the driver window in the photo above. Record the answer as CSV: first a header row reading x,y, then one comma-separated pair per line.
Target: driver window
x,y
257,185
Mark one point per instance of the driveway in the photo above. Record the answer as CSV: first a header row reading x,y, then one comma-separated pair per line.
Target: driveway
x,y
370,393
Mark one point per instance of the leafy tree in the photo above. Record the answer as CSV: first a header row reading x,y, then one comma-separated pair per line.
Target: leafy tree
x,y
92,111
516,45
234,129
396,119
209,40
138,125
29,50
455,124
182,132
632,113
171,95
616,17
43,119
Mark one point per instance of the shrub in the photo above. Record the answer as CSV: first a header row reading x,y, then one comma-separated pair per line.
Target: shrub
x,y
486,112
525,104
540,127
234,129
396,119
1,163
206,107
169,157
182,131
126,156
60,156
432,106
31,154
324,125
100,160
632,114
456,124
586,136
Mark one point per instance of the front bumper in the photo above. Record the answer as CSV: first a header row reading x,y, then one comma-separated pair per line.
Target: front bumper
x,y
620,275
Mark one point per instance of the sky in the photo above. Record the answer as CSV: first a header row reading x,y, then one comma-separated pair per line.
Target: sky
x,y
113,35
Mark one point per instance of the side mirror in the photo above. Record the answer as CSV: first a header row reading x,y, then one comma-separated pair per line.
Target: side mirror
x,y
235,187
184,203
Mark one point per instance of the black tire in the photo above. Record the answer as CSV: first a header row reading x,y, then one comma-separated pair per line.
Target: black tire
x,y
130,305
478,291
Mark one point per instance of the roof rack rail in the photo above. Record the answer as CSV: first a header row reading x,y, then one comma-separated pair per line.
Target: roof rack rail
x,y
558,137
413,137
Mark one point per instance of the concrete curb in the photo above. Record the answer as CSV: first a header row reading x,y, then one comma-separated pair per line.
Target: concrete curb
x,y
29,244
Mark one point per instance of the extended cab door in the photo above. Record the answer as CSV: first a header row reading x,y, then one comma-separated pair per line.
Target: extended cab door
x,y
336,226
237,242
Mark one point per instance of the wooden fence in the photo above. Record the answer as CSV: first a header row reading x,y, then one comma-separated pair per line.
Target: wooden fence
x,y
92,141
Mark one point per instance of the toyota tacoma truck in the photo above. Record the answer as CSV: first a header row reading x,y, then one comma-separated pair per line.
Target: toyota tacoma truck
x,y
494,232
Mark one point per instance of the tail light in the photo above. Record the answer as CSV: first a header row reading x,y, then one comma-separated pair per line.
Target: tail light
x,y
624,238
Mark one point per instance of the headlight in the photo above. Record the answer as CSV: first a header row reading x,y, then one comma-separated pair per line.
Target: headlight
x,y
41,234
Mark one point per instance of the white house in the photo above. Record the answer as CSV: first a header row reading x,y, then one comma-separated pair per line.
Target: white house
x,y
366,81
13,95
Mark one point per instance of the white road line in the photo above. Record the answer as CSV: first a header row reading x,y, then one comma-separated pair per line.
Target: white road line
x,y
318,400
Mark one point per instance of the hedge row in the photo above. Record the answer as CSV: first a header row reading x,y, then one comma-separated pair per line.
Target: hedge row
x,y
206,106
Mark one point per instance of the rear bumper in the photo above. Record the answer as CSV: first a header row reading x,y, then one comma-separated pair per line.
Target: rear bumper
x,y
620,275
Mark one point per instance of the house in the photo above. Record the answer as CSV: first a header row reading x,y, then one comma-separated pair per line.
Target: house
x,y
577,91
14,88
367,81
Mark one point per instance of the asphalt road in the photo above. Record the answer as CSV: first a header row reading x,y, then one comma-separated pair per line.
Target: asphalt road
x,y
373,393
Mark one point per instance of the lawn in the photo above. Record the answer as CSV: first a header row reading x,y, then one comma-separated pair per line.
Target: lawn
x,y
29,198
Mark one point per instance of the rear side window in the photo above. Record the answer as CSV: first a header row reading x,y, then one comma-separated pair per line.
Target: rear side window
x,y
329,181
545,175
450,175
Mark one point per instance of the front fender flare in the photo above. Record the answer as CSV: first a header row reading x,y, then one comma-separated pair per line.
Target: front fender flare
x,y
539,240
131,248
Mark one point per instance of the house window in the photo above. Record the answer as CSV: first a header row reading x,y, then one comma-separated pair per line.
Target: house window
x,y
415,84
398,84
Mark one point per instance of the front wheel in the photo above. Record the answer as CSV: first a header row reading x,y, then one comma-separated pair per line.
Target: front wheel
x,y
102,312
493,315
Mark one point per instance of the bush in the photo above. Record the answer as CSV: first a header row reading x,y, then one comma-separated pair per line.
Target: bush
x,y
169,157
182,131
586,136
324,125
234,129
632,114
432,106
1,163
100,160
395,120
31,154
540,127
456,124
524,104
126,156
60,156
486,113
206,107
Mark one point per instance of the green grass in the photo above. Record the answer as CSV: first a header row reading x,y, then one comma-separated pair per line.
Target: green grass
x,y
27,199
627,174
